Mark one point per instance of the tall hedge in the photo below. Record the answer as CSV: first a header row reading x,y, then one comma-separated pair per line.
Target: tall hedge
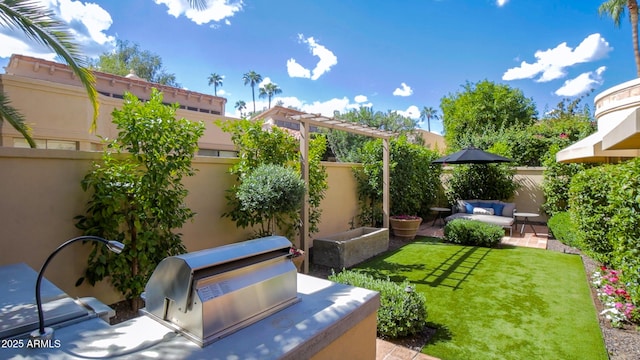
x,y
605,207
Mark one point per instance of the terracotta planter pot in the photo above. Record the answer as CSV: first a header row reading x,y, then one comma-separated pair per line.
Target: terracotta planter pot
x,y
405,228
297,261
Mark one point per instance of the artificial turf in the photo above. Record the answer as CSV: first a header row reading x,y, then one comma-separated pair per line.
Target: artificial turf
x,y
504,303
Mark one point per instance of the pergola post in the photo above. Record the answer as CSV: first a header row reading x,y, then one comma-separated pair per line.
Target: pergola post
x,y
306,120
385,183
304,215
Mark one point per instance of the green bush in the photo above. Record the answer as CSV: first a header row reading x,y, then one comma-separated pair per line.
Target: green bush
x,y
139,198
563,228
472,232
414,180
604,204
270,193
401,313
481,181
590,211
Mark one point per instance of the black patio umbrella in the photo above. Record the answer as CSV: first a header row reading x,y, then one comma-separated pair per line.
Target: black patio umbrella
x,y
471,155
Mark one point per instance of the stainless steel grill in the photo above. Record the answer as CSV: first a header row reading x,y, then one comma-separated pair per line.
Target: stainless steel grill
x,y
208,294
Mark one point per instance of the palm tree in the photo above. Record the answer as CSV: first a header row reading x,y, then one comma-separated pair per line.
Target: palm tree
x,y
428,113
269,90
615,9
40,24
215,80
240,105
252,78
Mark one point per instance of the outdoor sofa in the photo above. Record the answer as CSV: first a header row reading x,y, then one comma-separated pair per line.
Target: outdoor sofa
x,y
488,211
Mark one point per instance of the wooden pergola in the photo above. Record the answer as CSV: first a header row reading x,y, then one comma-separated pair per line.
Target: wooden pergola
x,y
307,120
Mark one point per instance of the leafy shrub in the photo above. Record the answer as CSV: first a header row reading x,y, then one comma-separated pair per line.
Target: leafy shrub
x,y
563,228
414,180
590,211
139,199
556,179
256,146
604,204
270,193
472,232
481,181
401,313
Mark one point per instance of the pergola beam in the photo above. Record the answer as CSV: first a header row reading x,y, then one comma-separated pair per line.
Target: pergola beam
x,y
306,120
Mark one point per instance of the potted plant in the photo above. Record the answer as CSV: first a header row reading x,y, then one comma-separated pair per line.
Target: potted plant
x,y
405,226
297,256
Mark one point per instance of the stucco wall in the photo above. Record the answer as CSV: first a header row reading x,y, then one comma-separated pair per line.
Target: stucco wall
x,y
40,194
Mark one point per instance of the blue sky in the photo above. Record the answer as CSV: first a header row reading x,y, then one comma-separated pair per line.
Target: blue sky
x,y
331,55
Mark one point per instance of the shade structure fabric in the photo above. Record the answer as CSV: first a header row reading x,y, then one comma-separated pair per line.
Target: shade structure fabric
x,y
472,155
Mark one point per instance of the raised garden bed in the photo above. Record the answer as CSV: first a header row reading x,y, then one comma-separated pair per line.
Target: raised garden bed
x,y
351,247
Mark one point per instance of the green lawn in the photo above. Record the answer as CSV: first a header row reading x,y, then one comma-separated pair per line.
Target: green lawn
x,y
509,303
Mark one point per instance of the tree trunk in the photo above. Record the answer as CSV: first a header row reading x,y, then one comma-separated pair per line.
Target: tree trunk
x,y
633,14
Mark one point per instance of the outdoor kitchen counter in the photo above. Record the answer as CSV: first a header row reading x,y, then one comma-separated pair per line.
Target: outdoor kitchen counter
x,y
331,321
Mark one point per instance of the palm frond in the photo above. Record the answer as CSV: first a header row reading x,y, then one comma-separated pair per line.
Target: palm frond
x,y
41,25
614,9
9,114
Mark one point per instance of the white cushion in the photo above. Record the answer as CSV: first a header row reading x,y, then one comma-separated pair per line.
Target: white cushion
x,y
483,211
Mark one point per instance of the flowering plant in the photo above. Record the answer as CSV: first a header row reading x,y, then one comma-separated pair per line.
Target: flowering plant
x,y
618,307
295,252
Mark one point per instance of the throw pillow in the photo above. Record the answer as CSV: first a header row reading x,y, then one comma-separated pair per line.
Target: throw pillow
x,y
484,205
469,208
497,208
483,211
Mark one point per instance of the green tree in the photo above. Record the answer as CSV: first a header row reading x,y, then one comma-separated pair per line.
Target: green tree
x,y
137,195
240,106
484,107
129,57
252,78
215,80
257,147
428,113
269,90
268,194
414,180
616,9
347,146
41,25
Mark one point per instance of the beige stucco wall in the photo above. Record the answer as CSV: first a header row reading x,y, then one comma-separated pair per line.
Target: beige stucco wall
x,y
60,111
41,193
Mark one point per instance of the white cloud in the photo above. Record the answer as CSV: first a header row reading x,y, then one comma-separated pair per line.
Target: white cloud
x,y
326,56
264,82
501,3
403,90
216,10
87,23
326,108
412,112
551,64
296,70
582,84
360,98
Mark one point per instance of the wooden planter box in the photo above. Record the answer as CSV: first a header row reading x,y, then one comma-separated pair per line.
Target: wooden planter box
x,y
351,247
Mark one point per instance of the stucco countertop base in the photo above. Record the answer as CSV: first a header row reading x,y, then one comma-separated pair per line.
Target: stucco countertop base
x,y
327,311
